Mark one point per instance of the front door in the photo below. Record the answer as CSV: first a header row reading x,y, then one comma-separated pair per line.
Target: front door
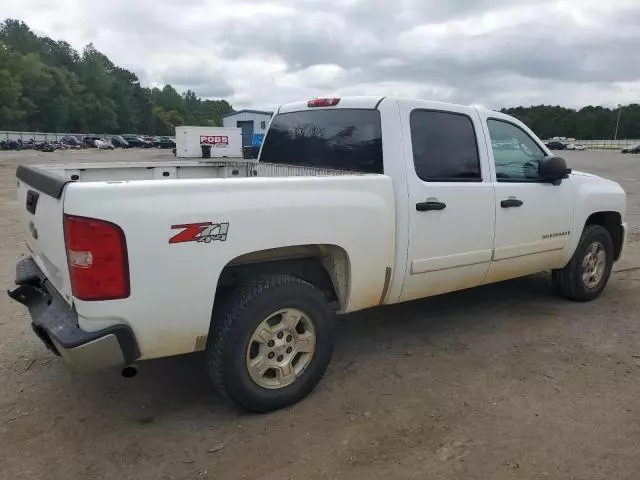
x,y
247,132
533,216
451,201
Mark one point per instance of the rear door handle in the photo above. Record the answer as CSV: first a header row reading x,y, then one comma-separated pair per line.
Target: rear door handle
x,y
510,203
430,205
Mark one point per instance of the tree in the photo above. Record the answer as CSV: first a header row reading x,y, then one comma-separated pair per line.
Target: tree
x,y
46,85
588,123
11,114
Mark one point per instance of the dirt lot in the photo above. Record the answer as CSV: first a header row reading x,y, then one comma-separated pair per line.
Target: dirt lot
x,y
501,382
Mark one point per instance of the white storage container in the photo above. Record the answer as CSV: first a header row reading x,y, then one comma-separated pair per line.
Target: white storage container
x,y
224,142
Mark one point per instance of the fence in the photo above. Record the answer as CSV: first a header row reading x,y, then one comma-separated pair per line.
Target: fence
x,y
47,137
598,144
607,144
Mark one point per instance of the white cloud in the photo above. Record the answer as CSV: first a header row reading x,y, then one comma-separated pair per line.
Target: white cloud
x,y
258,54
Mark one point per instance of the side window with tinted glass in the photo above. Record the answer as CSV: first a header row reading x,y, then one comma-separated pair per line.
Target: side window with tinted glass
x,y
516,156
444,147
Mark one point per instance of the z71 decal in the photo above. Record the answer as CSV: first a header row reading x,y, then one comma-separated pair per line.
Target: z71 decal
x,y
205,232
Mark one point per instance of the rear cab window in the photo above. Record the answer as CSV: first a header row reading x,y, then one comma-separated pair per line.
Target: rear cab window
x,y
338,139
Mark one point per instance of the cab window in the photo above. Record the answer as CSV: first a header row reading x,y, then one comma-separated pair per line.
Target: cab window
x,y
444,147
339,139
515,154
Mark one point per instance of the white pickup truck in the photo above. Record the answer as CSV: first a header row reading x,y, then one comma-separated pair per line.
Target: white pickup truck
x,y
354,203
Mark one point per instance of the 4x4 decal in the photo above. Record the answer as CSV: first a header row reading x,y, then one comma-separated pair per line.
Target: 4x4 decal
x,y
205,232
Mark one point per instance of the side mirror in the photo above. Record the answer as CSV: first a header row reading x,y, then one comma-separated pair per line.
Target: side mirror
x,y
553,169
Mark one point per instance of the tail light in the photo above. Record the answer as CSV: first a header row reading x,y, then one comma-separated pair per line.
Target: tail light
x,y
323,102
97,258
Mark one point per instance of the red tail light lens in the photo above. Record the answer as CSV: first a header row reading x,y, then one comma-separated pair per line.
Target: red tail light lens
x,y
97,258
323,102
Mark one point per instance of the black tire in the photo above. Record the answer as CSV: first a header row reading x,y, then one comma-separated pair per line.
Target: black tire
x,y
233,325
568,281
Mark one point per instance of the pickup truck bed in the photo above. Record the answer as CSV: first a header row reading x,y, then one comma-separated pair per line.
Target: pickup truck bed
x,y
179,169
235,208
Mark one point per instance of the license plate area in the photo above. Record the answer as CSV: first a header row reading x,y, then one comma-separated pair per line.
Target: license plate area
x,y
29,295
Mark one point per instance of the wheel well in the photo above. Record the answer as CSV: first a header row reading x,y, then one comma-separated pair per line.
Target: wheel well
x,y
612,222
324,266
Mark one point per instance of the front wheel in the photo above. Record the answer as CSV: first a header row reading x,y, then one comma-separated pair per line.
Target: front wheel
x,y
586,275
270,343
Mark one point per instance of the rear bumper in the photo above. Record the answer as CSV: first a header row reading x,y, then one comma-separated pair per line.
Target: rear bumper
x,y
56,324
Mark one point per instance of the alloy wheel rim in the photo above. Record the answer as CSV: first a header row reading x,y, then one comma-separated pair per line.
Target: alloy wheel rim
x,y
593,265
281,348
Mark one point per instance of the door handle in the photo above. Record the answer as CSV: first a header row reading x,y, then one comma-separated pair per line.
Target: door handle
x,y
511,202
430,205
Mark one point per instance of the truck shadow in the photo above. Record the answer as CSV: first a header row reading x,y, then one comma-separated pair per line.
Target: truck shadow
x,y
470,308
169,387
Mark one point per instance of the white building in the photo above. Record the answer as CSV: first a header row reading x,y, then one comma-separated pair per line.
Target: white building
x,y
253,123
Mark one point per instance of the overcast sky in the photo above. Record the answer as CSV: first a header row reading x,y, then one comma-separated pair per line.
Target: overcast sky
x,y
261,53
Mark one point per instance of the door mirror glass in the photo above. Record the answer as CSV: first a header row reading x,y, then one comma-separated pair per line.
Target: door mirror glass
x,y
553,168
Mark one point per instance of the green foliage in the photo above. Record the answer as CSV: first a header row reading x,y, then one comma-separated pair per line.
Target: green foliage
x,y
10,91
588,123
45,85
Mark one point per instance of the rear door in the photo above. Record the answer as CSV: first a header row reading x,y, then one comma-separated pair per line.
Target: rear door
x,y
451,200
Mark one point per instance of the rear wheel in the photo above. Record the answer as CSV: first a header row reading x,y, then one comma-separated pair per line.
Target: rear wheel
x,y
587,274
270,343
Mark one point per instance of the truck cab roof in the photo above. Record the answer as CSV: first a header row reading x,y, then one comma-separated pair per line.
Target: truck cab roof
x,y
360,102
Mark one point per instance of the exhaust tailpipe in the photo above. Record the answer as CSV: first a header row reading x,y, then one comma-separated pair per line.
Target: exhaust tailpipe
x,y
129,371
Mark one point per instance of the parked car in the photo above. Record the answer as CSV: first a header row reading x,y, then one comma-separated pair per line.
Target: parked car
x,y
576,146
631,149
334,225
104,145
135,141
13,145
119,142
90,141
166,142
48,147
153,141
72,141
556,146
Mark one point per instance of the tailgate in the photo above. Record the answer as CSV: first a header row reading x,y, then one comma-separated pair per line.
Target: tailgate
x,y
40,202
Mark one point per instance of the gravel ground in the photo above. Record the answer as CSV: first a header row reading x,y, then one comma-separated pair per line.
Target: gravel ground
x,y
501,382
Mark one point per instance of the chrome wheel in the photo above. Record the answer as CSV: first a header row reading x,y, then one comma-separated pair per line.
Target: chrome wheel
x,y
280,348
593,265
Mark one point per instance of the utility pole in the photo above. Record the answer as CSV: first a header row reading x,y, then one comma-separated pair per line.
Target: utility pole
x,y
615,136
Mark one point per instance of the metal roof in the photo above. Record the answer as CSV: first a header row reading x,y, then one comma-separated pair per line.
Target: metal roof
x,y
259,112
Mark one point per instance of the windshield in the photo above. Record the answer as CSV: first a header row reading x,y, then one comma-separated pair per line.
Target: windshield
x,y
340,139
